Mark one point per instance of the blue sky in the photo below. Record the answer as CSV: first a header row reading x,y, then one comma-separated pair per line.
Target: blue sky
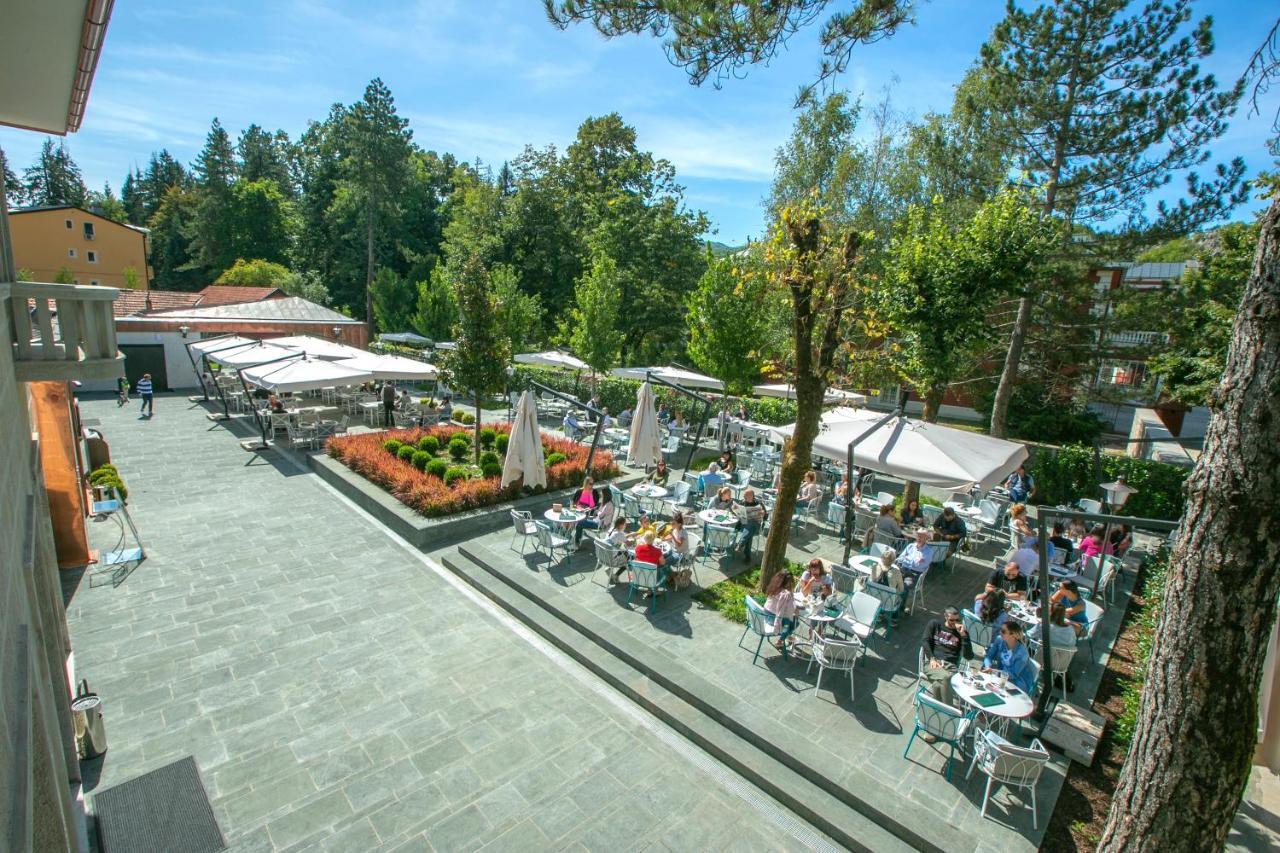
x,y
483,78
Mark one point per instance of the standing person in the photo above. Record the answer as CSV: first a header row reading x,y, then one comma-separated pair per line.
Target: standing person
x,y
122,391
144,390
1021,486
388,403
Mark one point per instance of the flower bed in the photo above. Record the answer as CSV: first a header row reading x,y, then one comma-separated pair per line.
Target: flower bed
x,y
432,482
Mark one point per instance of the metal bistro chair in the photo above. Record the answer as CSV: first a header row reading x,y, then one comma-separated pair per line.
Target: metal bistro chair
x,y
630,506
522,523
679,500
610,558
717,539
763,625
947,724
1093,612
859,618
980,633
891,603
838,655
931,514
648,577
1010,765
552,542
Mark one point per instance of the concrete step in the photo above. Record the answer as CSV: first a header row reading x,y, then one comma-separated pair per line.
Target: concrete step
x,y
709,717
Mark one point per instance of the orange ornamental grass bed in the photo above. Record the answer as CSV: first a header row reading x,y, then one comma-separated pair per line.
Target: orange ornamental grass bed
x,y
427,494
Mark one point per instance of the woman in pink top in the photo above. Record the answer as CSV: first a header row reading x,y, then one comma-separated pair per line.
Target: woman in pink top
x,y
781,604
586,497
1095,543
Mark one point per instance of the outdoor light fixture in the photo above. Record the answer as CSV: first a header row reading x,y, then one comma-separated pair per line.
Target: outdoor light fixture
x,y
1118,492
336,332
182,330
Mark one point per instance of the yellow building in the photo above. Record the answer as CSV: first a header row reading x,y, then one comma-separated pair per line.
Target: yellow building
x,y
93,248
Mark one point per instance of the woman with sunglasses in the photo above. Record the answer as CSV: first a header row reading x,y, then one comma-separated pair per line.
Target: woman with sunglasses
x,y
1008,655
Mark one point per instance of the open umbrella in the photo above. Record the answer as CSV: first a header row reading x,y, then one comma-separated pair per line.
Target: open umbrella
x,y
407,338
208,346
319,347
258,353
672,374
390,366
910,449
302,374
646,445
524,448
552,358
788,392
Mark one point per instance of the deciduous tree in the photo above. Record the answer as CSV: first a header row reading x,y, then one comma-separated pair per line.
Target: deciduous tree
x,y
730,329
592,328
437,309
482,351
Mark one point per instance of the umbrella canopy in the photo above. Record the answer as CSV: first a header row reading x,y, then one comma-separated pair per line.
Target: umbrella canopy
x,y
318,347
788,392
408,338
390,366
674,375
208,346
914,450
646,446
524,448
257,354
552,358
302,374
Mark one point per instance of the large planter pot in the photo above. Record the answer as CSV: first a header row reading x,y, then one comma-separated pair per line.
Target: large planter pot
x,y
1171,414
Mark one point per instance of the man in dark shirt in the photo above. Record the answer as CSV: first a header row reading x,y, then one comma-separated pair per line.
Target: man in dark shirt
x,y
950,527
946,644
1060,542
1009,579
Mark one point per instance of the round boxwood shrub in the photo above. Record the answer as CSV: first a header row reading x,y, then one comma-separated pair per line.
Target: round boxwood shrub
x,y
488,458
464,434
392,446
501,442
406,452
555,459
468,419
458,415
491,469
429,444
456,472
437,467
458,449
420,459
487,437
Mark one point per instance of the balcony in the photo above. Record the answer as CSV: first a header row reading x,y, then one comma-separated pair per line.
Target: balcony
x,y
1136,339
61,332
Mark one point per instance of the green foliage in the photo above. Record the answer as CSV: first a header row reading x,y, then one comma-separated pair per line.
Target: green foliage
x,y
519,313
106,205
108,477
487,437
1064,475
172,248
555,459
405,452
593,321
395,300
64,275
500,444
254,273
131,280
420,459
54,178
460,435
429,444
468,419
1034,415
1155,575
392,446
479,359
491,469
726,597
260,221
213,226
436,309
489,456
437,467
456,473
458,449
729,330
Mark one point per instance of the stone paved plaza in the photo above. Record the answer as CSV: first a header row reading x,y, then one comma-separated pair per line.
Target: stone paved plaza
x,y
340,693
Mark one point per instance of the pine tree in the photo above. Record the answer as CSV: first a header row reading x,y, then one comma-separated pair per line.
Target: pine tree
x,y
1099,109
12,189
132,199
106,204
265,156
54,178
163,171
212,233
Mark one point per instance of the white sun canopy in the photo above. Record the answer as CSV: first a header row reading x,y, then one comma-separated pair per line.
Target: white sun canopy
x,y
208,346
251,355
390,367
914,450
318,347
675,375
788,392
552,358
405,338
302,374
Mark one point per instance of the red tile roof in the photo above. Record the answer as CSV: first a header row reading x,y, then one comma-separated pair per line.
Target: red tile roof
x,y
221,294
132,302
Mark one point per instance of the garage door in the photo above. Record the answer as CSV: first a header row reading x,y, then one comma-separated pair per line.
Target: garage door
x,y
145,358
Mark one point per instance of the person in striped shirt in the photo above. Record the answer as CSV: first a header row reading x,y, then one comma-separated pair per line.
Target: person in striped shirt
x,y
144,389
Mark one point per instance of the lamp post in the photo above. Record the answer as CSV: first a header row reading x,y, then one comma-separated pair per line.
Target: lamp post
x,y
1117,493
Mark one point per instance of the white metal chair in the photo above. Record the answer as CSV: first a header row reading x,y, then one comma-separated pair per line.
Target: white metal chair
x,y
609,558
522,523
551,542
679,500
838,655
1093,613
885,498
944,723
917,585
1089,505
931,514
717,539
1059,663
891,601
1006,764
762,624
859,617
980,633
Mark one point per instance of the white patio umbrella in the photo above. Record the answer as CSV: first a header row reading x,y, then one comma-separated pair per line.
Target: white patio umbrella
x,y
788,392
676,375
408,338
302,374
524,448
208,346
914,450
319,347
552,358
390,366
251,355
645,448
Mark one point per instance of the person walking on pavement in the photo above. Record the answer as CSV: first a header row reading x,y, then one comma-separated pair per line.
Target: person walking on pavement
x,y
122,392
144,390
388,403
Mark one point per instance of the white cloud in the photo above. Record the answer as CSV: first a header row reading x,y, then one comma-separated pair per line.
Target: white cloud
x,y
720,150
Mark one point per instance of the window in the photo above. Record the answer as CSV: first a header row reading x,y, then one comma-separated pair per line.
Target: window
x,y
69,225
71,253
92,257
88,230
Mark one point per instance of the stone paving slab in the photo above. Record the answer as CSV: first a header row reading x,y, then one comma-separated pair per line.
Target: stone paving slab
x,y
339,695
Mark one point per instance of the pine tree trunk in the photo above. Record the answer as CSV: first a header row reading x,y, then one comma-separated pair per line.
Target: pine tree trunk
x,y
1196,727
797,453
1009,375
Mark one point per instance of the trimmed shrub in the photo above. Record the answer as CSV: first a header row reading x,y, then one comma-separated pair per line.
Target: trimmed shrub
x,y
458,449
501,442
468,419
420,459
392,446
458,415
437,467
456,473
555,459
406,452
429,444
491,469
487,437
488,458
464,434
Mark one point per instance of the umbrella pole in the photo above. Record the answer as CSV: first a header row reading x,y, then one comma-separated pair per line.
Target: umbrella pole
x,y
848,513
204,389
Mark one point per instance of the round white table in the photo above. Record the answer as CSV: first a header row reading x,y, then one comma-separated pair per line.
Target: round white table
x,y
1024,613
618,434
863,564
961,509
646,490
566,518
717,516
1015,704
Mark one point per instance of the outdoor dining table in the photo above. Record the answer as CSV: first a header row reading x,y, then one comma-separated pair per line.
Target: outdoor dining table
x,y
647,490
371,409
1023,612
984,694
618,434
962,509
565,519
717,516
863,564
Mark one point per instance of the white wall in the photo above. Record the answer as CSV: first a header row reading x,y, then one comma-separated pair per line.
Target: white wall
x,y
176,364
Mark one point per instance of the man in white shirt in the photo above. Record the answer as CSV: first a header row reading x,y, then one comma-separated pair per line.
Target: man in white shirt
x,y
915,558
1028,557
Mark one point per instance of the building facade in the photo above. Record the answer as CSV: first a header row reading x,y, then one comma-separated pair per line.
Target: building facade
x,y
92,248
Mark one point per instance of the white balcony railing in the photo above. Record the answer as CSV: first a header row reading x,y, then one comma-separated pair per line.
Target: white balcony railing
x,y
1132,339
62,331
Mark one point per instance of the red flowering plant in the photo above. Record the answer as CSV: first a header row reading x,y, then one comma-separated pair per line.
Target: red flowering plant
x,y
414,481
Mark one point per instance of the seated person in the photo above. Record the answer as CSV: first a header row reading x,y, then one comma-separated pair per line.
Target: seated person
x,y
605,421
404,402
1028,557
1120,539
1020,486
911,514
1060,542
990,609
710,479
678,422
723,500
816,580
274,405
750,514
741,414
1008,580
570,424
781,604
915,558
842,490
647,552
1068,596
586,497
1008,655
726,463
602,519
887,524
946,644
887,573
658,476
808,489
1018,523
664,414
949,527
645,525
1061,633
618,532
1093,544
1076,531
624,417
677,537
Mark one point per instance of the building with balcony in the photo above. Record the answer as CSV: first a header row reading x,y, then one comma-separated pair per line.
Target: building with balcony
x,y
93,249
1123,367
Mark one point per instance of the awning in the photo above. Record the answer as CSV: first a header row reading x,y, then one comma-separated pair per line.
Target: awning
x,y
318,347
302,374
788,392
390,367
672,374
909,449
224,342
552,358
407,338
248,356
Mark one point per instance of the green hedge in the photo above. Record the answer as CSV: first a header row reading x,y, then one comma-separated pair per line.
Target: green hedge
x,y
108,477
437,468
1064,475
1154,574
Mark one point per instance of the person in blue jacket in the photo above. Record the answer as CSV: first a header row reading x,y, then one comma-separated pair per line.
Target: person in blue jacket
x,y
1009,655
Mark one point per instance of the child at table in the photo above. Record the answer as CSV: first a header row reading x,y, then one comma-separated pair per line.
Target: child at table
x,y
781,604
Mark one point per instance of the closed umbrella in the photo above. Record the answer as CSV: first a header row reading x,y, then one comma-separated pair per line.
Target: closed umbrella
x,y
524,448
646,445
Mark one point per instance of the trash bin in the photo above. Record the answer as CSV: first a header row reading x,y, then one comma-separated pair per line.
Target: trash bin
x,y
91,732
